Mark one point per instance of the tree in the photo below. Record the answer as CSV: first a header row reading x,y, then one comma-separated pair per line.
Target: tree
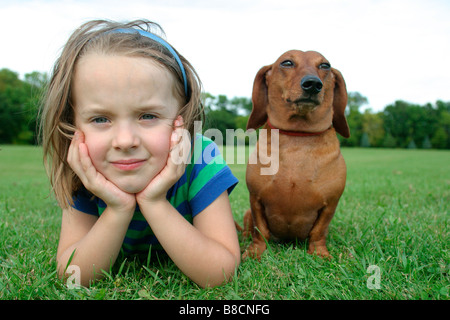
x,y
243,105
389,141
441,135
408,122
354,119
411,144
19,104
440,139
12,106
426,143
35,83
395,118
221,120
372,127
365,143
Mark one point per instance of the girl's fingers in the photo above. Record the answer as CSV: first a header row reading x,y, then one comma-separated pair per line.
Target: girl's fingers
x,y
180,144
175,166
85,160
73,156
80,162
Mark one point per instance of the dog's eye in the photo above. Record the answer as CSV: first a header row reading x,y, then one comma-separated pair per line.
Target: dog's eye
x,y
287,64
324,66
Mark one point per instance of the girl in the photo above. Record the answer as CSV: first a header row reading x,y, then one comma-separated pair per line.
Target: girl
x,y
116,127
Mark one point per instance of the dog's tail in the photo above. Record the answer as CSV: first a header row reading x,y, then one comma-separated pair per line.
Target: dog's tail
x,y
248,224
238,227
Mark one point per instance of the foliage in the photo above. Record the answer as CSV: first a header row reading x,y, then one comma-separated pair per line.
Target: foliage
x,y
19,103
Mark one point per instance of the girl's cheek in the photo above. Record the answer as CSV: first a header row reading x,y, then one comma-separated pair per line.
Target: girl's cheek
x,y
95,148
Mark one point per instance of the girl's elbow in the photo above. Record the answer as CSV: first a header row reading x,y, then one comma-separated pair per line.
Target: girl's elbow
x,y
226,273
72,276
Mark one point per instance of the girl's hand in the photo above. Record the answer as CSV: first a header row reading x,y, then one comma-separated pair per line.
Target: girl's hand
x,y
80,162
180,148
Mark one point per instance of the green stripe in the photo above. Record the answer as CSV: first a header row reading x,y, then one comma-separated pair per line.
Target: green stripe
x,y
137,234
138,216
202,178
199,147
179,196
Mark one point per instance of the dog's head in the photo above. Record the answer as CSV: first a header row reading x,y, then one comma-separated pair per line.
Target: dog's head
x,y
300,91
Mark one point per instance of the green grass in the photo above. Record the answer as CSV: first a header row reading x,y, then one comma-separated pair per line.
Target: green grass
x,y
393,214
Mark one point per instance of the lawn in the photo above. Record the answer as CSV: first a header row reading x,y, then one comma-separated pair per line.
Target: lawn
x,y
389,239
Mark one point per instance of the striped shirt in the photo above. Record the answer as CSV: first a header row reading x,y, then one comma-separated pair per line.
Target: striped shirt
x,y
206,177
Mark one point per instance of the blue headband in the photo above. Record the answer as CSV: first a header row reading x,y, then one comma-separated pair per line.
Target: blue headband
x,y
165,44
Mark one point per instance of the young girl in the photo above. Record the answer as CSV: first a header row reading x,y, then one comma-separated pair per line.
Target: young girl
x,y
117,129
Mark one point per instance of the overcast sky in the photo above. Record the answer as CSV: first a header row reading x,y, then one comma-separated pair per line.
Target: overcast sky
x,y
386,49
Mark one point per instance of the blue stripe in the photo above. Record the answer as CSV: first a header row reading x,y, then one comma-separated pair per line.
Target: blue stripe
x,y
148,239
223,180
138,225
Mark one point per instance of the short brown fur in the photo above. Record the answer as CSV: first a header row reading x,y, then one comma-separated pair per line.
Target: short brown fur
x,y
299,201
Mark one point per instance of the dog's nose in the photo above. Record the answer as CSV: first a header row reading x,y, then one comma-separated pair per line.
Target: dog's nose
x,y
311,84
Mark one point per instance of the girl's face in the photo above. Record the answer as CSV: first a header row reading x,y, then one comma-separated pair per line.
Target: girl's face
x,y
125,107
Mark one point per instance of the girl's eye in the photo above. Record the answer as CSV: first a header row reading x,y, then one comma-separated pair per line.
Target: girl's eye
x,y
147,117
100,120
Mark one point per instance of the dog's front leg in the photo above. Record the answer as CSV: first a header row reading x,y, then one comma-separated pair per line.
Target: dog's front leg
x,y
260,231
317,236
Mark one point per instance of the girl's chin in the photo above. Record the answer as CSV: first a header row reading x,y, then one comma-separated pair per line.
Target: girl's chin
x,y
132,188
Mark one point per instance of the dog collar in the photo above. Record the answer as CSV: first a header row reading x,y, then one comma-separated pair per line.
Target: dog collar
x,y
297,133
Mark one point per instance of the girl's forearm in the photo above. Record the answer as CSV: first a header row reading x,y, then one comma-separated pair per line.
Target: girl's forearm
x,y
203,260
98,249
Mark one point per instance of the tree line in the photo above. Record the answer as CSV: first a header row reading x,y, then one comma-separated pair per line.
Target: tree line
x,y
399,125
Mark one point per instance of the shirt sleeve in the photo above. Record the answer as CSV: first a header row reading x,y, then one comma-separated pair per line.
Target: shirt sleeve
x,y
209,178
222,181
85,202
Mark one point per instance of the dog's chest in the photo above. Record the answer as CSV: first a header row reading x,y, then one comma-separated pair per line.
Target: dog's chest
x,y
307,174
297,180
307,169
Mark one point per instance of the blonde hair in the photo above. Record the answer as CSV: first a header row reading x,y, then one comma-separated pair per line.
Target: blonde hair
x,y
57,115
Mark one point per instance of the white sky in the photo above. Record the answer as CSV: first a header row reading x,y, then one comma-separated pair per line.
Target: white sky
x,y
386,49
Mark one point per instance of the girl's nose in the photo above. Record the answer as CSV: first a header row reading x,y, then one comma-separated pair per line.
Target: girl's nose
x,y
125,137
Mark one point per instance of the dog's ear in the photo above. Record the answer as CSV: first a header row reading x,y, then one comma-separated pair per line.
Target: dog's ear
x,y
339,104
260,100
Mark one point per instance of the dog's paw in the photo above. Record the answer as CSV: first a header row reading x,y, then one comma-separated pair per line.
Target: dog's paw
x,y
319,249
253,251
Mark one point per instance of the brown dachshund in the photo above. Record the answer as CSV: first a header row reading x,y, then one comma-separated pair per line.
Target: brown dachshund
x,y
304,98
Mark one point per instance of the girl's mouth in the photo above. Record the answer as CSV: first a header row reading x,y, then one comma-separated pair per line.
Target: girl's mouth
x,y
128,165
